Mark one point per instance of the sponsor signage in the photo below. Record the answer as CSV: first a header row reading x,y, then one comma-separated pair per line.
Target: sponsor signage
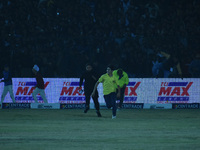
x,y
45,106
185,106
131,93
133,105
147,91
72,106
25,90
174,91
15,105
157,106
70,93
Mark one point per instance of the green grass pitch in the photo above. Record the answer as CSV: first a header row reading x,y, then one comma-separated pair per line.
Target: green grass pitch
x,y
25,129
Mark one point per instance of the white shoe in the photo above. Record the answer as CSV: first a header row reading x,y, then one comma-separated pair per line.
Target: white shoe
x,y
113,117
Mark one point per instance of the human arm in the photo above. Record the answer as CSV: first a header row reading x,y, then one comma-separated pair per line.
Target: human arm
x,y
126,80
81,82
179,70
95,88
6,76
119,92
95,76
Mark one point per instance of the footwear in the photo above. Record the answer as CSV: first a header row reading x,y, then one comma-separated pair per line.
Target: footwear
x,y
113,117
86,110
98,113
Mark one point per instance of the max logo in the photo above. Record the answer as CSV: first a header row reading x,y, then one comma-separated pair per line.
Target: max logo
x,y
174,91
70,89
70,92
130,92
27,88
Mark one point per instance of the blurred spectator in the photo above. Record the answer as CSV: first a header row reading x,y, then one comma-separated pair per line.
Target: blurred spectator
x,y
64,35
194,67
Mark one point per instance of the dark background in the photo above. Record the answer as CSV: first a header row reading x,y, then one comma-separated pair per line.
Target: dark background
x,y
61,36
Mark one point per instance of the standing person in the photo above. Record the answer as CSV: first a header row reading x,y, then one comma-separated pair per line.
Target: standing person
x,y
7,84
39,88
123,81
194,67
90,78
109,89
171,66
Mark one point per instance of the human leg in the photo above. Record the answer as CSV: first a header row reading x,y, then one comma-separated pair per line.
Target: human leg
x,y
5,91
95,100
35,92
122,90
96,103
42,94
110,100
87,102
113,103
10,89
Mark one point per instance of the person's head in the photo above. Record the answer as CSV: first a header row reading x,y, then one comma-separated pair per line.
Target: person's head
x,y
88,67
6,67
35,69
120,72
110,69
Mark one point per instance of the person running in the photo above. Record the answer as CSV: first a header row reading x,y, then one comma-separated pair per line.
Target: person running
x,y
90,78
123,81
39,88
7,84
109,89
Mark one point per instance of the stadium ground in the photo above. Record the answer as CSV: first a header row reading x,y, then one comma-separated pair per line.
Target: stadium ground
x,y
72,129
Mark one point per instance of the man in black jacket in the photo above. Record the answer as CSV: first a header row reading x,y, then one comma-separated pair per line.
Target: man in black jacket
x,y
90,78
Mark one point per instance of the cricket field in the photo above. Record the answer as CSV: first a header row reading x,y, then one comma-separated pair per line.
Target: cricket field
x,y
145,129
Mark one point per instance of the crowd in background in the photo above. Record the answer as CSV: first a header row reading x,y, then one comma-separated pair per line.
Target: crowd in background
x,y
62,36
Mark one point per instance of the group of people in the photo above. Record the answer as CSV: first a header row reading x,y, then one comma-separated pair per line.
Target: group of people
x,y
56,35
114,85
7,79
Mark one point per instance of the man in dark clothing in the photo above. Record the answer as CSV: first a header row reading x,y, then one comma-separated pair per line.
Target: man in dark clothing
x,y
7,84
39,88
90,78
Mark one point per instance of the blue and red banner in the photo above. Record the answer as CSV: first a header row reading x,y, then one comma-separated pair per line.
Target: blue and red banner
x,y
148,90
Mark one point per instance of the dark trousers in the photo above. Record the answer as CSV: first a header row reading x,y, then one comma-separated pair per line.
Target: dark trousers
x,y
110,100
121,99
95,99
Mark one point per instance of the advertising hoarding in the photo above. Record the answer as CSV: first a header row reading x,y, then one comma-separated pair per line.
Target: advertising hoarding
x,y
148,90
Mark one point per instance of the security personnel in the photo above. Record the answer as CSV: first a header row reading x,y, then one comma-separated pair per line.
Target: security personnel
x,y
123,81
